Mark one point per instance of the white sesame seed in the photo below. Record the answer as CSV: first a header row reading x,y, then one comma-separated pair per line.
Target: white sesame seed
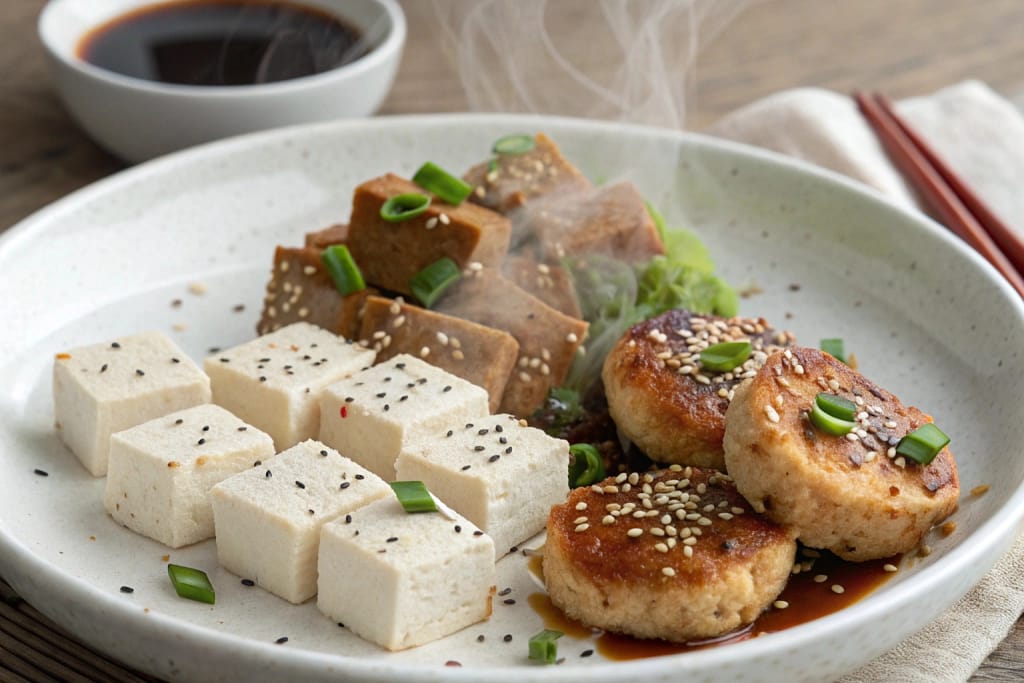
x,y
688,550
833,385
689,540
303,312
635,532
458,355
424,352
900,461
611,489
924,550
608,520
851,436
399,321
444,219
890,568
773,416
661,547
836,588
891,452
431,223
579,520
524,376
725,515
780,604
571,338
704,521
657,531
737,510
668,571
442,339
582,527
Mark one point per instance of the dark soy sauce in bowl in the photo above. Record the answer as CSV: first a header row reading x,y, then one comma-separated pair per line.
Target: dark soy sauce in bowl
x,y
222,42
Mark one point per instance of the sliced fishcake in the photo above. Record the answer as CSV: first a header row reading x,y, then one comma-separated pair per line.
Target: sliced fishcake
x,y
677,555
402,580
274,382
849,494
661,396
370,416
268,519
161,471
503,476
105,388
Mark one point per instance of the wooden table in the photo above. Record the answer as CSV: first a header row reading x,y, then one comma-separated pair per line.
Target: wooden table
x,y
904,47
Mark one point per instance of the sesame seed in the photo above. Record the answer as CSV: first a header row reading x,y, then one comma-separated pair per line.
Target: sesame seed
x,y
924,550
668,571
837,589
248,583
890,568
582,527
127,589
773,415
635,532
300,484
820,578
688,550
283,639
780,604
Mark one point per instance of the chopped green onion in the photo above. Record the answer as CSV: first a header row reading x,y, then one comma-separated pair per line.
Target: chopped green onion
x,y
544,646
835,348
414,496
343,269
444,185
513,144
404,206
492,165
837,406
725,356
923,444
431,282
587,467
828,423
191,583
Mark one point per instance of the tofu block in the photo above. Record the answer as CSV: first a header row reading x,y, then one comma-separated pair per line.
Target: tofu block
x,y
390,254
371,415
402,580
268,519
161,471
502,476
105,388
476,353
274,382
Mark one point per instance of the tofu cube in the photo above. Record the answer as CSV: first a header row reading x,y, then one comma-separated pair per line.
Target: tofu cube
x,y
402,580
502,476
161,471
105,388
268,519
372,414
274,382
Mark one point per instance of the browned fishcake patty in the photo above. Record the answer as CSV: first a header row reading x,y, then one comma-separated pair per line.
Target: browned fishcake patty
x,y
676,554
661,397
849,494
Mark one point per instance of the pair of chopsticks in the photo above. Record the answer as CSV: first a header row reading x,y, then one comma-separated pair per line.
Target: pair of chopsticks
x,y
953,202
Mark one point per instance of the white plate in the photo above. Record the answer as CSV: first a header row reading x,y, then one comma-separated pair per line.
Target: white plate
x,y
927,319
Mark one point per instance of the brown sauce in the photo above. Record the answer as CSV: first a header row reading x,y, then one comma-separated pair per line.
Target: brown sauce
x,y
222,42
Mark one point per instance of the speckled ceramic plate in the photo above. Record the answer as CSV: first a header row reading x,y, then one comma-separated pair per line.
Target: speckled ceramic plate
x,y
926,318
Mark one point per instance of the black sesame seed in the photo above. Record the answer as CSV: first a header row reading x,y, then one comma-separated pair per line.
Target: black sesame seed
x,y
341,625
382,394
288,367
310,511
458,529
387,379
469,425
447,388
316,364
115,345
387,407
403,397
127,589
356,532
381,551
348,519
263,360
140,373
504,591
481,638
421,380
178,421
103,368
242,428
503,440
466,467
307,357
507,638
214,349
263,379
449,433
400,366
349,399
300,484
513,549
225,360
392,539
345,485
282,640
359,476
509,601
248,582
478,533
259,367
483,431
176,303
206,428
238,308
508,450
200,442
479,448
410,385
498,428
586,653
257,463
41,473
323,453
269,474
312,346
494,458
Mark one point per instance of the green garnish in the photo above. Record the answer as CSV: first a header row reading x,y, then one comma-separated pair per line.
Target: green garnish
x,y
544,646
431,282
923,444
513,144
835,348
492,165
587,467
342,269
725,356
444,185
414,496
837,406
833,414
402,207
191,583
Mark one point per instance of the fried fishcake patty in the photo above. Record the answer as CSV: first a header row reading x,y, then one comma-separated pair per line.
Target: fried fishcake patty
x,y
662,398
849,494
677,555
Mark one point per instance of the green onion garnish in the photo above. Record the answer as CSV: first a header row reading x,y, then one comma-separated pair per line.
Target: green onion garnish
x,y
343,269
923,444
404,206
191,583
544,646
444,185
492,165
513,144
835,348
414,496
725,356
837,406
828,423
587,467
431,282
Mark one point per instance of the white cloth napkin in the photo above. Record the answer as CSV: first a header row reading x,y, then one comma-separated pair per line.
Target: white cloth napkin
x,y
981,136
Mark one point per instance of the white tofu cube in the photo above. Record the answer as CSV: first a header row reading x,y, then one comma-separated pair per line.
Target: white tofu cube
x,y
370,415
268,519
274,382
161,471
105,388
502,476
402,580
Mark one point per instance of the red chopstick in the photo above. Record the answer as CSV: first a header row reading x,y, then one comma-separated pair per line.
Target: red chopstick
x,y
957,206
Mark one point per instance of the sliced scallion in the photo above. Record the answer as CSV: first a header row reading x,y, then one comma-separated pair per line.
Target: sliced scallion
x,y
402,207
513,144
835,348
431,282
444,185
544,646
829,423
414,496
343,269
191,583
837,406
923,444
725,356
587,466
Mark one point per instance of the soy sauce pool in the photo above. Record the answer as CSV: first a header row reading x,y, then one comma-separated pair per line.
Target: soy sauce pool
x,y
222,42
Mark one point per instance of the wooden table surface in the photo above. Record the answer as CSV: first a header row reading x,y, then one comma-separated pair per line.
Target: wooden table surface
x,y
903,47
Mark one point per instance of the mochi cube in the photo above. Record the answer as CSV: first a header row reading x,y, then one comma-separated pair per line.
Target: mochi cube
x,y
268,519
105,388
400,579
370,415
274,381
161,471
503,476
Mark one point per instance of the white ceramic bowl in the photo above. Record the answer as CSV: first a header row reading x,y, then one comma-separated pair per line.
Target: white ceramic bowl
x,y
138,119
